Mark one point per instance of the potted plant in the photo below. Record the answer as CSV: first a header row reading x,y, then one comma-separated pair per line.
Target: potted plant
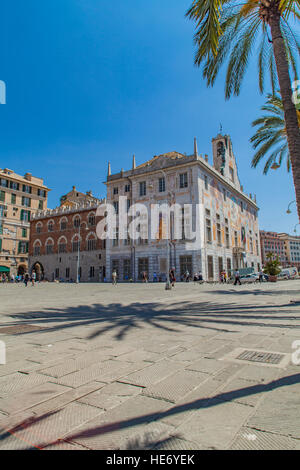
x,y
272,267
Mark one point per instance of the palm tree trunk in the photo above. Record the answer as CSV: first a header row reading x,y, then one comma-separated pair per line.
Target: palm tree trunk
x,y
290,114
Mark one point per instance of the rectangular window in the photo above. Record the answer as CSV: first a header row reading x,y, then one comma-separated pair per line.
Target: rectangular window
x,y
91,245
227,239
205,182
116,206
231,174
224,194
183,180
41,192
127,188
126,269
13,198
41,205
208,226
25,215
115,241
143,188
210,266
92,271
27,189
3,183
161,185
26,201
23,247
57,273
219,235
24,232
14,185
2,196
235,239
116,190
67,273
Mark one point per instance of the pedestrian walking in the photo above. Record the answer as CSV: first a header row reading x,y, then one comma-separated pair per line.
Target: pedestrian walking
x,y
114,277
26,279
261,276
154,277
172,277
237,278
33,278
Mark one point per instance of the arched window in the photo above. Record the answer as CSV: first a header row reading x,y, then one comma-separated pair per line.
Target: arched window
x,y
76,221
91,242
37,248
62,245
39,227
92,219
50,226
63,223
49,246
75,243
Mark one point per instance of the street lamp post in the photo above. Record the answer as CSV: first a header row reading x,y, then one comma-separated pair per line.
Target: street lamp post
x,y
295,231
288,209
78,252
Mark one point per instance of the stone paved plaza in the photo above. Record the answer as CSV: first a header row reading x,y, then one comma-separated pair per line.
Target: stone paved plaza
x,y
135,367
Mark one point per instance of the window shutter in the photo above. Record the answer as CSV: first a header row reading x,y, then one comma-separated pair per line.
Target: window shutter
x,y
22,214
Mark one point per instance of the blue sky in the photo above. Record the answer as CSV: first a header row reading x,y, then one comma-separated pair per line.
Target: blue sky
x,y
91,80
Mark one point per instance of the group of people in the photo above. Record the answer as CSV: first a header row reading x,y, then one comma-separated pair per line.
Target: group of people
x,y
25,278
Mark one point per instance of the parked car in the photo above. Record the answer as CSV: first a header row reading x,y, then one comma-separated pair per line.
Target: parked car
x,y
249,278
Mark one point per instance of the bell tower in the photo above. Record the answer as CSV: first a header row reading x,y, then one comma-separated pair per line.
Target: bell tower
x,y
224,160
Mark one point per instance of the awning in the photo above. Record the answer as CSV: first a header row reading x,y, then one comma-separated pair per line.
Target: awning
x,y
4,269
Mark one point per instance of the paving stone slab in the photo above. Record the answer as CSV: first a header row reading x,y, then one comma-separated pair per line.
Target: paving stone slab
x,y
214,425
186,356
252,439
17,382
10,442
103,372
190,404
31,397
68,397
47,429
209,366
140,355
176,386
258,373
228,372
244,392
108,431
74,365
153,373
110,395
279,414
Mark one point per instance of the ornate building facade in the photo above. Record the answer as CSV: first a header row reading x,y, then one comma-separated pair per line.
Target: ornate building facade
x,y
20,198
223,217
63,242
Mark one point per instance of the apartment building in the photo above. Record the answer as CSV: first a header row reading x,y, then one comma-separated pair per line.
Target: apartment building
x,y
20,198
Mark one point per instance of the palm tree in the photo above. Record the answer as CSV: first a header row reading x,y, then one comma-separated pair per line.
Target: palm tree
x,y
233,31
270,138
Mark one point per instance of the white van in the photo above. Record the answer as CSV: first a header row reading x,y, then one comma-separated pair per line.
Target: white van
x,y
290,273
